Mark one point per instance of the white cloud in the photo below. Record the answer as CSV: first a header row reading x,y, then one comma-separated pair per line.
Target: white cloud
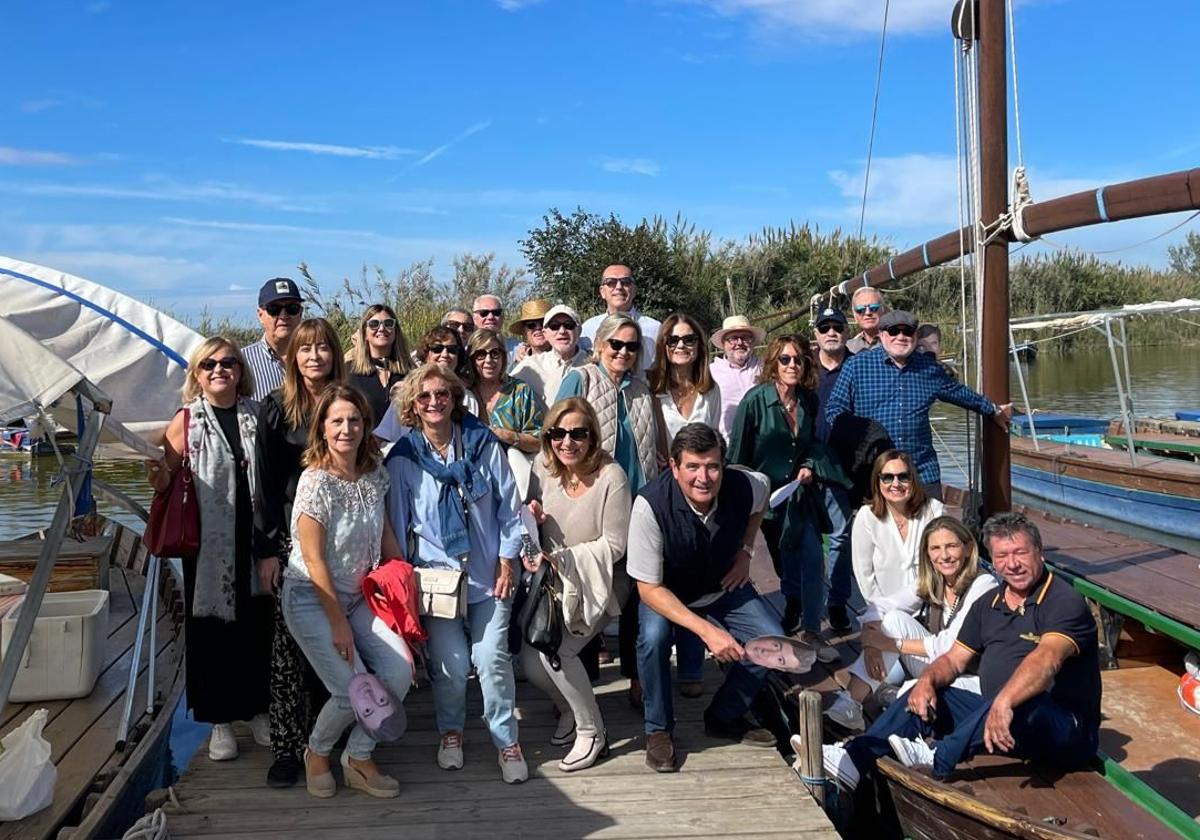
x,y
339,238
122,270
631,166
34,106
436,153
234,287
368,152
837,17
35,157
516,5
163,189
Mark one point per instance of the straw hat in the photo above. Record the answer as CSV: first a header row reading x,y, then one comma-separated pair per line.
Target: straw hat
x,y
737,323
531,310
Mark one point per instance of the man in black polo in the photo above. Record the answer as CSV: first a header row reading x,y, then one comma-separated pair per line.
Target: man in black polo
x,y
1035,646
691,536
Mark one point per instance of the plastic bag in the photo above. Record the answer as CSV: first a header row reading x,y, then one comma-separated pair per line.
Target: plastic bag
x,y
27,777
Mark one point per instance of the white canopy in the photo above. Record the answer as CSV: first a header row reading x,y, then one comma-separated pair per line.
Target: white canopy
x,y
1079,320
134,353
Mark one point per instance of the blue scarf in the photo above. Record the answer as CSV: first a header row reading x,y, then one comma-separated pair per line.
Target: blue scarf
x,y
462,474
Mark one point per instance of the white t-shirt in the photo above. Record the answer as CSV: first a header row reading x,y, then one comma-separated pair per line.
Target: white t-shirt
x,y
706,409
650,328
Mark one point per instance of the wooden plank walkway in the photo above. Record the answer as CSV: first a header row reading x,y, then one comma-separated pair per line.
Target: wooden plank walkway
x,y
722,789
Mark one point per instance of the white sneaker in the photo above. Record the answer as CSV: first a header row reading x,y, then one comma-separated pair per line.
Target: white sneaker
x,y
912,752
846,712
513,768
450,752
839,769
222,744
260,729
564,734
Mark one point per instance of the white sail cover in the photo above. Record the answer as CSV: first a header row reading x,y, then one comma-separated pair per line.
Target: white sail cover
x,y
31,378
1078,320
131,351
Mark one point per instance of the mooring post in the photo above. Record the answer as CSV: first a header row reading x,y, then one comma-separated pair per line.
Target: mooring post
x,y
812,765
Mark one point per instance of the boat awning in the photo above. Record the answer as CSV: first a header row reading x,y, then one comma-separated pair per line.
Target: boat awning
x,y
1079,320
131,351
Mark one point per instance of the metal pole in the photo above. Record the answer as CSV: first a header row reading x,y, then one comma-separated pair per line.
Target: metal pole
x,y
80,464
994,332
1024,391
1125,355
152,585
148,598
1126,409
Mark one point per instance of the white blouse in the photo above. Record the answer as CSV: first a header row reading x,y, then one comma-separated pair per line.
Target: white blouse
x,y
352,513
885,565
706,409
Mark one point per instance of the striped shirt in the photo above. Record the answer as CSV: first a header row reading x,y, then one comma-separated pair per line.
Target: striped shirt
x,y
266,366
872,385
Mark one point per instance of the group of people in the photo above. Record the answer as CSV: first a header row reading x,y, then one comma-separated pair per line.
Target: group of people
x,y
649,468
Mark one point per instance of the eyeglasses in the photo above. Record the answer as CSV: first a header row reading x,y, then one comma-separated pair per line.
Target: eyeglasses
x,y
627,346
863,308
441,395
830,326
787,360
227,363
273,309
689,340
385,324
738,338
460,326
901,329
494,353
439,349
893,478
577,434
532,325
614,282
555,326
485,313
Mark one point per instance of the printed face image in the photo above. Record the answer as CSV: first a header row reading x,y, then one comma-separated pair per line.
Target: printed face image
x,y
780,653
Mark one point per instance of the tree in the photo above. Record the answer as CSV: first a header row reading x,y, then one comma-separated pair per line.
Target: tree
x,y
1185,258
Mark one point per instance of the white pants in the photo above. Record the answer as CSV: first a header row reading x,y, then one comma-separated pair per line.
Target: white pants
x,y
904,669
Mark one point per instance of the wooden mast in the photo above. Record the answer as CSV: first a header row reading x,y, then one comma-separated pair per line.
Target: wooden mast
x,y
993,193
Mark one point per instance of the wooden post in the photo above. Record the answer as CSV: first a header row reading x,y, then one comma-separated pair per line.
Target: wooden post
x,y
812,762
993,126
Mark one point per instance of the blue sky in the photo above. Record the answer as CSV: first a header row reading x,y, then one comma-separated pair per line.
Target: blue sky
x,y
183,153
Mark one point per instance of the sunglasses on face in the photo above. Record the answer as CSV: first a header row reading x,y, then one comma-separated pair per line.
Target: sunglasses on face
x,y
614,282
577,434
494,353
487,313
901,330
787,360
555,326
439,396
439,349
274,309
228,363
628,346
864,308
384,324
460,326
689,340
895,478
533,325
831,327
739,338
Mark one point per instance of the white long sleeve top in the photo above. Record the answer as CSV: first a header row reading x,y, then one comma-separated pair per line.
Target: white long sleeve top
x,y
885,565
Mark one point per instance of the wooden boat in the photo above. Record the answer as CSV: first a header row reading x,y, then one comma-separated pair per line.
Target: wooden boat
x,y
1170,438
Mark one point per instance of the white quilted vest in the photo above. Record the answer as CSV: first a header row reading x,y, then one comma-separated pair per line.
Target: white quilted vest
x,y
600,391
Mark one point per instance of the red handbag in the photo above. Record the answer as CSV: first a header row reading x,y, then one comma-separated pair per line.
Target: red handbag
x,y
173,529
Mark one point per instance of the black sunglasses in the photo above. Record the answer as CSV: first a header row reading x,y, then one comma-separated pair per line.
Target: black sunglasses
x,y
901,329
629,346
786,359
483,313
555,326
577,434
227,363
613,282
532,324
273,309
438,349
830,326
689,340
891,478
460,326
386,323
494,353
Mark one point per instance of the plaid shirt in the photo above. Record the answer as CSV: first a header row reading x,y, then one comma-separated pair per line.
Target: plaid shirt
x,y
872,385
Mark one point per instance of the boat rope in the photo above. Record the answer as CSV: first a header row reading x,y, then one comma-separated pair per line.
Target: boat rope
x,y
1012,52
862,214
153,826
1061,247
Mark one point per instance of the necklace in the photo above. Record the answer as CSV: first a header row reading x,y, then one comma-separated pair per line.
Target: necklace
x,y
441,450
572,483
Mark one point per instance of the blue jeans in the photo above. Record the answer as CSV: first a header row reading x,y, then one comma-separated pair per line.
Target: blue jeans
x,y
801,571
383,651
838,568
481,638
745,615
1043,731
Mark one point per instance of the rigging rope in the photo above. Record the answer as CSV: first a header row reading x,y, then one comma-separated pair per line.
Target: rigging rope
x,y
1012,51
1166,232
862,215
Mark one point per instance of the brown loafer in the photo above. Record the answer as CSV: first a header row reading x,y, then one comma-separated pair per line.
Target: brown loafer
x,y
660,752
691,688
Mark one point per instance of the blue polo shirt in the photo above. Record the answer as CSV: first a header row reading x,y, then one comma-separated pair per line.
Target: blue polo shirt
x,y
1002,638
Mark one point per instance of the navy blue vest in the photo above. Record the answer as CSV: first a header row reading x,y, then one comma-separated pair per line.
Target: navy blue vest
x,y
694,561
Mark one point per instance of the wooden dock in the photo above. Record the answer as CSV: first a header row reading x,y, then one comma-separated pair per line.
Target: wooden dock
x,y
721,790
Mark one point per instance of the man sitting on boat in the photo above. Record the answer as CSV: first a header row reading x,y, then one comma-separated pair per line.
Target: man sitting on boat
x,y
1034,643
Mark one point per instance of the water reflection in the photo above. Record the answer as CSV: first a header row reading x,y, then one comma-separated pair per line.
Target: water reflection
x,y
29,492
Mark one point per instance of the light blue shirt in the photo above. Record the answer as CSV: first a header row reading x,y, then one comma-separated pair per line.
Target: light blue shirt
x,y
493,521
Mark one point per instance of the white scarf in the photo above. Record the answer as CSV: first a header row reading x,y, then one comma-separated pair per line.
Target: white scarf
x,y
215,474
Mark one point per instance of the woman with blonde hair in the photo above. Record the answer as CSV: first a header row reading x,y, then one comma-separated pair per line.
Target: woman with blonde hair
x,y
314,361
228,621
583,509
379,357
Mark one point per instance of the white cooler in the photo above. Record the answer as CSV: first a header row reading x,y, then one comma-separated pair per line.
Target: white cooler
x,y
65,649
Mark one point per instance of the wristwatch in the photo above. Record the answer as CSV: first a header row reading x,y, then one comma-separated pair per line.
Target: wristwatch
x,y
900,646
749,549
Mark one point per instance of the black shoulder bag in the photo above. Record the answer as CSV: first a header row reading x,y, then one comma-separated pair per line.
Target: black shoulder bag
x,y
540,617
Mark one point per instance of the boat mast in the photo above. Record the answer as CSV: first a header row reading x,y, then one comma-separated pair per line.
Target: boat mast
x,y
993,194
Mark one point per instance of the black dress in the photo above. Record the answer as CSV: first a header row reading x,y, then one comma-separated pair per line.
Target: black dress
x,y
377,395
229,662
